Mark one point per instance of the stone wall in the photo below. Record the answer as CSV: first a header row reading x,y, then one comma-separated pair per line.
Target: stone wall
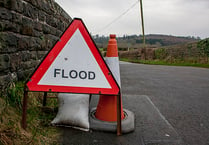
x,y
28,30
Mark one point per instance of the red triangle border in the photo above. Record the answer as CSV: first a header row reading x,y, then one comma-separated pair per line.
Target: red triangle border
x,y
32,83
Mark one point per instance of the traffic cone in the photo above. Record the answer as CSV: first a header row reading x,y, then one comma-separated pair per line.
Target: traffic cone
x,y
107,106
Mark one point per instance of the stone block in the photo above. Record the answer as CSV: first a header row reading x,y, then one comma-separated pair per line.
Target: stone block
x,y
57,8
37,26
2,3
8,4
5,14
42,16
16,18
46,29
27,30
43,42
41,54
8,39
61,27
5,79
30,11
9,26
50,41
52,21
37,33
27,26
58,33
24,74
7,49
38,3
66,16
20,75
33,55
17,5
23,43
29,64
53,31
1,26
35,63
33,2
35,44
25,56
45,6
26,65
15,60
4,62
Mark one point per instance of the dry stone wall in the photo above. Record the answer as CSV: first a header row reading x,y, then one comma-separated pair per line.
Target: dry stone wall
x,y
28,30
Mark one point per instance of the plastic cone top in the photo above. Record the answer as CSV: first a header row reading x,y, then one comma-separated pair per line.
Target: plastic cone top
x,y
112,59
107,106
112,48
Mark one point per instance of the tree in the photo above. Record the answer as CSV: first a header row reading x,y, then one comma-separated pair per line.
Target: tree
x,y
203,46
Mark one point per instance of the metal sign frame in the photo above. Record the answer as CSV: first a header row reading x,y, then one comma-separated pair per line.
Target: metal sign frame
x,y
52,54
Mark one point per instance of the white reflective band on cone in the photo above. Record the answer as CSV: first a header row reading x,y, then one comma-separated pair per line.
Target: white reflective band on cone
x,y
113,64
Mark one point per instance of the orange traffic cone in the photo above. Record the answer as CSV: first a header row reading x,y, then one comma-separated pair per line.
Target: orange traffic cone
x,y
107,106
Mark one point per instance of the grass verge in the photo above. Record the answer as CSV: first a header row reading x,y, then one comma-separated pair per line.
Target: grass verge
x,y
162,62
39,130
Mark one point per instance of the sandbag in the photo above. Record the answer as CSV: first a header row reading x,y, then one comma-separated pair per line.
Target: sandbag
x,y
73,111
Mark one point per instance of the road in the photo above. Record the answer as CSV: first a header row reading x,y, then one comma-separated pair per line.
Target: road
x,y
171,107
181,94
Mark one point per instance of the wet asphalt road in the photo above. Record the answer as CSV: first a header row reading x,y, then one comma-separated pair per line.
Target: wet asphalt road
x,y
171,106
180,93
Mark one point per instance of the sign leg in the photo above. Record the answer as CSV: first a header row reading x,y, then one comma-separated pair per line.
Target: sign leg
x,y
24,110
119,115
44,99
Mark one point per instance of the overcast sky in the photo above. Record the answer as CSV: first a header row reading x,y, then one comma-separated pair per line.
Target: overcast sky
x,y
171,17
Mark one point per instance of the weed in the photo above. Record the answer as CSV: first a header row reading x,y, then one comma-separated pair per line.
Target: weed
x,y
160,53
42,37
39,130
14,94
203,46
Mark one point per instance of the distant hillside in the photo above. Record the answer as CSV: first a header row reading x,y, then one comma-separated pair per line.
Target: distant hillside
x,y
188,53
166,40
153,40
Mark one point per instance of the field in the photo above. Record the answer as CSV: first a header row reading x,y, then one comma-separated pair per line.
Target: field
x,y
189,54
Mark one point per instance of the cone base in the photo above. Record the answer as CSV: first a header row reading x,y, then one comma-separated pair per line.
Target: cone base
x,y
107,109
128,123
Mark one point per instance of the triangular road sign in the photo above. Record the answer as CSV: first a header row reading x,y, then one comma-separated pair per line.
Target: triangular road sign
x,y
74,65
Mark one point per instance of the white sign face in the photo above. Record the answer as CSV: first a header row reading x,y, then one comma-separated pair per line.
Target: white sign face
x,y
75,66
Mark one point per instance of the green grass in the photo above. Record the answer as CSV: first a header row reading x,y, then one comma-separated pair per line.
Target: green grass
x,y
162,62
39,131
